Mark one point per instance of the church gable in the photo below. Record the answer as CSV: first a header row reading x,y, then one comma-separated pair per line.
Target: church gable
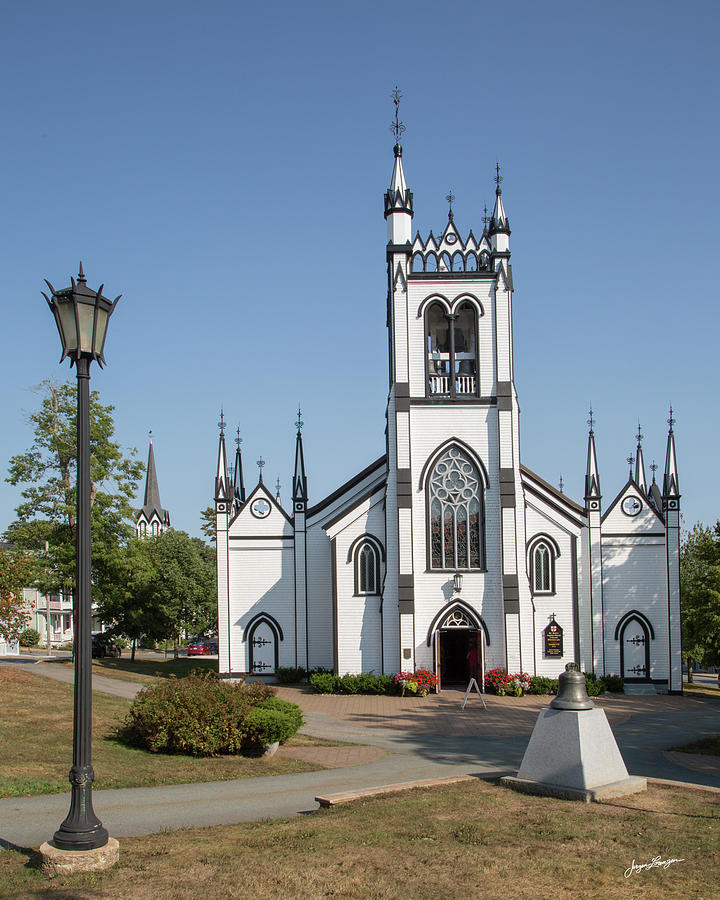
x,y
631,513
261,515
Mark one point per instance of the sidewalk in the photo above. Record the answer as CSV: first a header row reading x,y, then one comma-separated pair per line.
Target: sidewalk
x,y
399,739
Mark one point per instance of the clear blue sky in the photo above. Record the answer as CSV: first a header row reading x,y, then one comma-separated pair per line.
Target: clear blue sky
x,y
222,165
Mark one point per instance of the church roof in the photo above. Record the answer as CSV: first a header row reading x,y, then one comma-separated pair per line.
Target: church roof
x,y
152,502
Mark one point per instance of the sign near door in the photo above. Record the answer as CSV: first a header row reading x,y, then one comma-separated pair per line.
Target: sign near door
x,y
553,639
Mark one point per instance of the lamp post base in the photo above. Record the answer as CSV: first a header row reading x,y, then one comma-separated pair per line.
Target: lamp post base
x,y
54,861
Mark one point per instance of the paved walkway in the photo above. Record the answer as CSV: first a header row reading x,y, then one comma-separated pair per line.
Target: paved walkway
x,y
397,739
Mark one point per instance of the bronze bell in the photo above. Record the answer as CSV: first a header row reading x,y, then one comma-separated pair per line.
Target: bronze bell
x,y
572,690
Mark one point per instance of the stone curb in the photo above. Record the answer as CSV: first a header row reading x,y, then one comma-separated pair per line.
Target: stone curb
x,y
328,800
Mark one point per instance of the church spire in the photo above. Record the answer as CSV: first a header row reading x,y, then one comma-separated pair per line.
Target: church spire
x,y
222,485
499,230
640,463
592,478
238,482
398,199
670,481
153,517
299,478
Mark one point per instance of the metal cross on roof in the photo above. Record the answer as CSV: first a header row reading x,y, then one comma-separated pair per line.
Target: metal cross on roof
x,y
671,420
397,127
591,421
238,439
654,469
630,461
221,423
639,434
299,424
486,217
561,485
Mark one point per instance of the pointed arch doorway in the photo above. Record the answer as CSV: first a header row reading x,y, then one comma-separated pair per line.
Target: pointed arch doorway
x,y
459,640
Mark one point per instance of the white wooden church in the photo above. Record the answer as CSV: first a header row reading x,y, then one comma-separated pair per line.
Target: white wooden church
x,y
447,541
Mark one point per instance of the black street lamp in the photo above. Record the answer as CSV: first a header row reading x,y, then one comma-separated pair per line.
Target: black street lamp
x,y
82,317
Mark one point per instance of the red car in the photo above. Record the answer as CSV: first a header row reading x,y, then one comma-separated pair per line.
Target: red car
x,y
202,648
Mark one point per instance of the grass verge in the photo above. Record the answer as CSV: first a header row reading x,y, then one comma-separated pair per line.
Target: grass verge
x,y
468,840
36,745
145,671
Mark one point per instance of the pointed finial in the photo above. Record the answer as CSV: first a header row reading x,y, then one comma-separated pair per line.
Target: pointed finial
x,y
450,198
277,489
260,464
654,469
630,461
498,178
299,424
81,276
639,434
671,420
397,127
221,423
486,217
591,421
238,439
150,433
561,485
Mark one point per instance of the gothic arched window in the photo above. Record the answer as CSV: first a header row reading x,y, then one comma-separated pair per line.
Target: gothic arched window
x,y
367,569
542,556
451,351
456,513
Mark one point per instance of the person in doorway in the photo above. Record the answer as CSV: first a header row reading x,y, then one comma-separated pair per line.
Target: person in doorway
x,y
472,661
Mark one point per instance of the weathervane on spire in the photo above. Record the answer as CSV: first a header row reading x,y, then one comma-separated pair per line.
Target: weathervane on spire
x,y
397,127
150,433
238,439
486,217
630,461
671,420
639,435
591,421
654,469
299,424
561,485
450,199
221,423
498,177
260,464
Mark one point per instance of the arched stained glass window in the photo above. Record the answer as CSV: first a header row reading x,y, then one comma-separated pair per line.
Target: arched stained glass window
x,y
542,568
542,555
455,495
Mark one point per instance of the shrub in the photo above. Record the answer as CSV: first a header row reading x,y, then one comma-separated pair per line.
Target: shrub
x,y
496,681
265,726
418,682
199,714
594,684
541,684
323,682
29,638
291,710
614,684
290,675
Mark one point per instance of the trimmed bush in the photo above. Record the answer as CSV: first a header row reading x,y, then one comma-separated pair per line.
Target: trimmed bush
x,y
323,682
541,684
291,710
29,638
286,675
265,726
614,683
199,715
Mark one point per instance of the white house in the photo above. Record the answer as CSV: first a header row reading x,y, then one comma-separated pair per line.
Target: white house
x,y
447,541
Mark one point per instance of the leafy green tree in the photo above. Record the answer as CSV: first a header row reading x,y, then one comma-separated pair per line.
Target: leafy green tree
x,y
700,595
16,572
47,474
209,525
159,587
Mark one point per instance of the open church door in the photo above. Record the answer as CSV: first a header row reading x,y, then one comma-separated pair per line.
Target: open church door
x,y
438,663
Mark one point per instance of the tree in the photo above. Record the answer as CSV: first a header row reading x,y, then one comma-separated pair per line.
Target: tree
x,y
47,473
15,574
160,587
209,523
700,595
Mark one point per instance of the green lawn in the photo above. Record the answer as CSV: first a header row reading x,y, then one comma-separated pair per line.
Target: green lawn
x,y
36,744
143,670
459,842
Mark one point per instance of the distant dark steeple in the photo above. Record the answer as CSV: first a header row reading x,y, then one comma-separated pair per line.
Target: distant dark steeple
x,y
152,518
592,478
671,489
640,463
238,482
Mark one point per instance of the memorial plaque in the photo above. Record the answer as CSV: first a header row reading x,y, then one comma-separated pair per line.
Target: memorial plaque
x,y
553,635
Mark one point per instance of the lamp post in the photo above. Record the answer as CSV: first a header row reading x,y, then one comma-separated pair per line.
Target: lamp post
x,y
82,315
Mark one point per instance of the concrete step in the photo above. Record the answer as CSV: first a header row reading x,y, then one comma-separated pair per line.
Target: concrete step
x,y
640,688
